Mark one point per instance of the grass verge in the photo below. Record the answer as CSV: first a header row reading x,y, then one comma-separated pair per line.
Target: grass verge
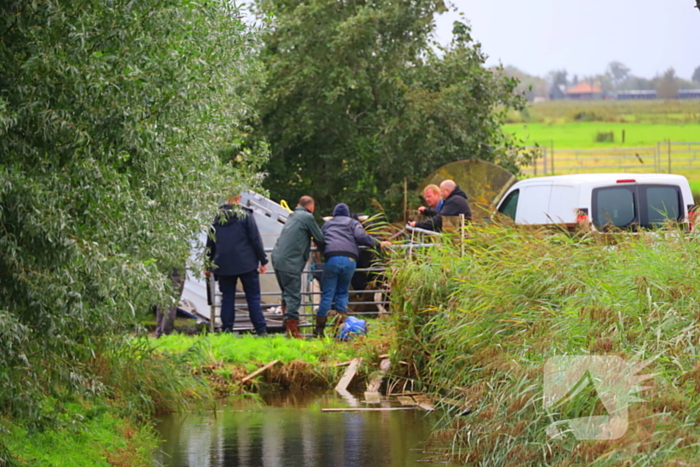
x,y
225,359
93,436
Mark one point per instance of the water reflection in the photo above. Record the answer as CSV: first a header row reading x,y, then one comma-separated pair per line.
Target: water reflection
x,y
291,430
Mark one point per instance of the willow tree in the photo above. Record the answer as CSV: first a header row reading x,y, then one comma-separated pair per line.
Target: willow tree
x,y
359,97
112,116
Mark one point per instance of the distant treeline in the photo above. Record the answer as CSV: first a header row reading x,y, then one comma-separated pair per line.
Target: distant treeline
x,y
617,77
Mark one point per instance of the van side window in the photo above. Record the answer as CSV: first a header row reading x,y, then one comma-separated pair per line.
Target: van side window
x,y
614,206
510,204
646,206
662,204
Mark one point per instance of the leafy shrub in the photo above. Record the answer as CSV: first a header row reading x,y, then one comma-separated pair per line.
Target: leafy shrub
x,y
605,137
112,115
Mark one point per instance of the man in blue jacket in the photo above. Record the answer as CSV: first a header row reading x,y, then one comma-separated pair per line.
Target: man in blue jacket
x,y
343,236
236,250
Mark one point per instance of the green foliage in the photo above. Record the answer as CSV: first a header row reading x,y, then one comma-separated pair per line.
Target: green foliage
x,y
359,98
696,75
93,437
480,325
111,118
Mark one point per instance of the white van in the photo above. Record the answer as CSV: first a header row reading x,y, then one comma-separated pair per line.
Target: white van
x,y
625,201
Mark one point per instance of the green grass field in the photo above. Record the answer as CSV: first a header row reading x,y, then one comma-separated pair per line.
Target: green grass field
x,y
651,111
570,126
582,135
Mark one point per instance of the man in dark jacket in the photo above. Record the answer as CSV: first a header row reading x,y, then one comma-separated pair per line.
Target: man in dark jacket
x,y
343,235
454,205
236,250
289,257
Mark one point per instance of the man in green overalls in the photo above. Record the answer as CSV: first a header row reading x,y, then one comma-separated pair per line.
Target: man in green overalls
x,y
289,257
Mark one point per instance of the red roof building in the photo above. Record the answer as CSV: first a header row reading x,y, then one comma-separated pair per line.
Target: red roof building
x,y
584,91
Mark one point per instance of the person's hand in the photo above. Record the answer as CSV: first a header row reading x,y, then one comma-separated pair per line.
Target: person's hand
x,y
412,223
207,273
386,243
421,209
263,268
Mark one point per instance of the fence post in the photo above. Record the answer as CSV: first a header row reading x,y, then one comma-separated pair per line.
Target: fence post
x,y
551,155
534,166
656,158
669,155
544,161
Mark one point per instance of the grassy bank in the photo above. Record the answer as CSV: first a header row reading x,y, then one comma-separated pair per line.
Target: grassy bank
x,y
478,329
94,436
224,360
108,424
106,421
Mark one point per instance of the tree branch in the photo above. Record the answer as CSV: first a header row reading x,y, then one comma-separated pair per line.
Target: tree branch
x,y
14,23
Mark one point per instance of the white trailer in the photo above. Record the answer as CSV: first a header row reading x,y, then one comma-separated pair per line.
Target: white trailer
x,y
270,218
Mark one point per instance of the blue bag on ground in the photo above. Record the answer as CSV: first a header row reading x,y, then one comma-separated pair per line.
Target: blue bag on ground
x,y
353,327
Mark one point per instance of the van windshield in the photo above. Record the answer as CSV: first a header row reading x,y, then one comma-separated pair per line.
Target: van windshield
x,y
631,206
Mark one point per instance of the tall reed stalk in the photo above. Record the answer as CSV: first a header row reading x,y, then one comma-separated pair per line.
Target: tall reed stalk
x,y
478,329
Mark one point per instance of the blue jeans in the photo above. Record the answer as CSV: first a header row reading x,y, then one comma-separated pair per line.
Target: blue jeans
x,y
251,287
335,283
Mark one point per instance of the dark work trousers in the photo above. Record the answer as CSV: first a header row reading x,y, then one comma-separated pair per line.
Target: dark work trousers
x,y
290,285
251,287
165,316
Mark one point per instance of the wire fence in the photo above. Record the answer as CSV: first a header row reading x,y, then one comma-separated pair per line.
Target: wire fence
x,y
665,157
377,299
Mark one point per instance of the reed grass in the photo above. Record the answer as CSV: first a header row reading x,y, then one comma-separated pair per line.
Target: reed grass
x,y
478,327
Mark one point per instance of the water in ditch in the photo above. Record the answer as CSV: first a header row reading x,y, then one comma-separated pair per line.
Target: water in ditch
x,y
290,429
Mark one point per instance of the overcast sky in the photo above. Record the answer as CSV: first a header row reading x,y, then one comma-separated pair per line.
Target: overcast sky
x,y
583,36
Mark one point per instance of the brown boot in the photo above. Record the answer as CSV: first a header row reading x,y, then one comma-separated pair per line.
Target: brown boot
x,y
320,326
292,327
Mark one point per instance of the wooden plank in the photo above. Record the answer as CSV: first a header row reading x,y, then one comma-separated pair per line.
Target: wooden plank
x,y
427,407
406,401
424,402
259,371
376,381
372,397
349,374
366,409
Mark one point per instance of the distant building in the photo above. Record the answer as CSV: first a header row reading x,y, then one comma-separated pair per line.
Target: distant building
x,y
688,94
637,94
584,92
